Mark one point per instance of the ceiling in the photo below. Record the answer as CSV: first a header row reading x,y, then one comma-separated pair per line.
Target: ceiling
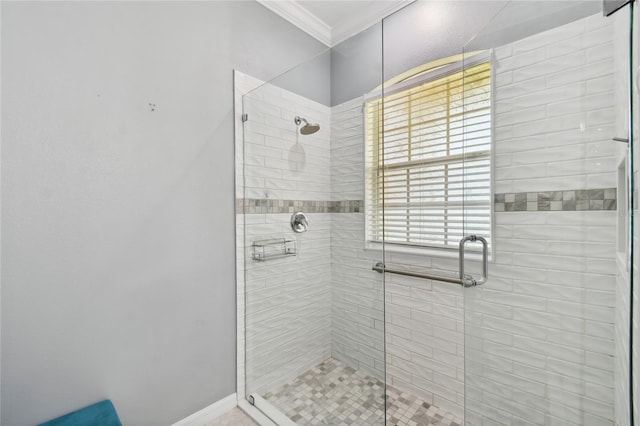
x,y
333,21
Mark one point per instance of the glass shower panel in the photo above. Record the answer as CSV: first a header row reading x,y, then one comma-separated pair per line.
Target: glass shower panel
x,y
314,314
547,336
635,236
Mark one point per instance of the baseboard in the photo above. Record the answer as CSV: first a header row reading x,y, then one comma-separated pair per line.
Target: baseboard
x,y
210,413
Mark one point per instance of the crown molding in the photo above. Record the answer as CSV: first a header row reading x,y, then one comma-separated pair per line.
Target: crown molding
x,y
301,18
364,20
292,11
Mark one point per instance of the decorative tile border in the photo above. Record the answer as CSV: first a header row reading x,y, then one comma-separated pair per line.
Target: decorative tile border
x,y
267,206
571,200
583,199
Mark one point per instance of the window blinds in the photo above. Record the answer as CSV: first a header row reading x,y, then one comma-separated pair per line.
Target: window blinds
x,y
428,161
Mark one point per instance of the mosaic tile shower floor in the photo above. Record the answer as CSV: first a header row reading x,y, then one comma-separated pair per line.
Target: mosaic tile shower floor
x,y
333,393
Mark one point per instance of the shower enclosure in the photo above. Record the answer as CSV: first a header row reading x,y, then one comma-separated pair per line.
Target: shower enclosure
x,y
434,222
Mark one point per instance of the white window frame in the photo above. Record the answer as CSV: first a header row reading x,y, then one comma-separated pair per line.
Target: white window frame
x,y
417,77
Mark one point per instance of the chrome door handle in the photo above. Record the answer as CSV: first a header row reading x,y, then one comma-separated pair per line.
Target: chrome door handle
x,y
468,280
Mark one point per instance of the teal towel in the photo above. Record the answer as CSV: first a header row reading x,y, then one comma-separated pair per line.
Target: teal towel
x,y
100,414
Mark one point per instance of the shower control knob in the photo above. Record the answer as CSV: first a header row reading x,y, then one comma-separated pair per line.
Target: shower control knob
x,y
299,222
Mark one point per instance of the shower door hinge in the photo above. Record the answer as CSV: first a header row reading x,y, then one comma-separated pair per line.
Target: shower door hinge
x,y
245,117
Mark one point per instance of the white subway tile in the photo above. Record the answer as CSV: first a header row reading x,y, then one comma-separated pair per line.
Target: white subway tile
x,y
548,320
550,66
602,180
547,155
582,103
549,37
538,288
520,60
596,313
521,88
549,349
566,46
600,52
600,84
581,341
527,109
513,300
600,116
503,51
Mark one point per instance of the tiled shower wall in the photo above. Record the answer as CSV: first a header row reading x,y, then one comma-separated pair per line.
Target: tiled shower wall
x,y
288,306
540,332
424,334
636,212
621,94
540,346
357,317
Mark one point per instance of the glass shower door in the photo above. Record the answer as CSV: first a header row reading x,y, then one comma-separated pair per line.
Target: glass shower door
x,y
547,336
313,311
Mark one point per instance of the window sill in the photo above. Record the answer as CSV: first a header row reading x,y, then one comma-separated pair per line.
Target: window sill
x,y
423,251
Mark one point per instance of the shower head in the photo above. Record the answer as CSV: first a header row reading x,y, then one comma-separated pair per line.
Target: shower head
x,y
308,128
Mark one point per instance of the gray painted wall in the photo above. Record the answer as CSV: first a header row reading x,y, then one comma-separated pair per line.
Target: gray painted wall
x,y
356,65
520,19
421,32
428,30
118,276
311,79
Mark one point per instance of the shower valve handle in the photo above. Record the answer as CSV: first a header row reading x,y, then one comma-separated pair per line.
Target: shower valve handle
x,y
299,222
